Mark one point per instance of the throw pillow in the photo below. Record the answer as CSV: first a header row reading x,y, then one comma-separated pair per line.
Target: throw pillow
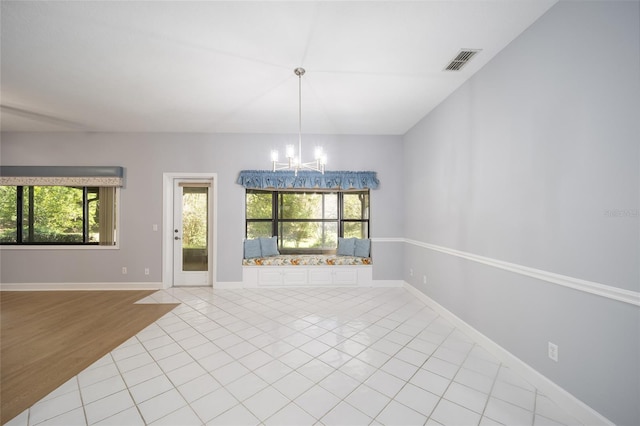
x,y
363,247
346,246
269,246
252,249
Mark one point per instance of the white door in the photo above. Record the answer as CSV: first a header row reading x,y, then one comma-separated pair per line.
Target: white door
x,y
191,232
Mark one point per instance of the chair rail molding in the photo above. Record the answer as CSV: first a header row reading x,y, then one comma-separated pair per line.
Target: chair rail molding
x,y
603,290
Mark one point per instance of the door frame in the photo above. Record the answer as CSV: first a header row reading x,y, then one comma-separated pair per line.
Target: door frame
x,y
167,224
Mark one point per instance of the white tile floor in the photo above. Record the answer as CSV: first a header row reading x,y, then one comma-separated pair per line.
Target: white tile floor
x,y
304,356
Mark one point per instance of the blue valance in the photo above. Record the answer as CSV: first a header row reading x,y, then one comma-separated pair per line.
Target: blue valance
x,y
287,179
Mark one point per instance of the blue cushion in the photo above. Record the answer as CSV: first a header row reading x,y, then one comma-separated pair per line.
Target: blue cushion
x,y
346,246
269,246
252,249
363,247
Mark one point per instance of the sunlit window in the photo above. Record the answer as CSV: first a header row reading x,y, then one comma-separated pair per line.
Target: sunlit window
x,y
57,215
307,222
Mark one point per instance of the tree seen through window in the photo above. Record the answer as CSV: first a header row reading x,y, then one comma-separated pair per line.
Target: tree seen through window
x,y
56,215
307,222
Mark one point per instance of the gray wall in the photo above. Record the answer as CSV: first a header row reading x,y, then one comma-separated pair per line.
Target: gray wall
x,y
147,156
521,164
524,164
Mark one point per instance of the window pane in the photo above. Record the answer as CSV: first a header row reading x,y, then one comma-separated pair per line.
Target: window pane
x,y
58,215
258,229
308,221
356,205
308,206
331,206
308,235
52,214
259,205
8,214
194,217
356,229
93,201
195,234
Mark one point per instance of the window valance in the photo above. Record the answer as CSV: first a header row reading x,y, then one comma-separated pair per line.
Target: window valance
x,y
61,176
286,179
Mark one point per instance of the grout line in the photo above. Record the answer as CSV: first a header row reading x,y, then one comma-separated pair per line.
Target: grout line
x,y
493,385
135,404
249,307
84,410
535,403
441,397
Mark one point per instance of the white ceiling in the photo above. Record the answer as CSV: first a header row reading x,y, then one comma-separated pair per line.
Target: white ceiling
x,y
209,66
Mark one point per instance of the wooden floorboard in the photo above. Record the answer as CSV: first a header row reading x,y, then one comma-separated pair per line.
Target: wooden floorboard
x,y
48,337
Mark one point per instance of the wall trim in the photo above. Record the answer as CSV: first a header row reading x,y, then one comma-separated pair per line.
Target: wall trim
x,y
388,240
574,407
80,286
603,290
220,285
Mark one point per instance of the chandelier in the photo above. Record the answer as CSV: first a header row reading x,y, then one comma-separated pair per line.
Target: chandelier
x,y
294,162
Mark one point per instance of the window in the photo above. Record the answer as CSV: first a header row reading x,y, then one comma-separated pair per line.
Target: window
x,y
307,222
59,215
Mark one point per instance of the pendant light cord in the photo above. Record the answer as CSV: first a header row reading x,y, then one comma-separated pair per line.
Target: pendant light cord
x,y
300,72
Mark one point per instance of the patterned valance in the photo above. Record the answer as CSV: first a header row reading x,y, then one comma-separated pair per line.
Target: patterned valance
x,y
287,179
61,176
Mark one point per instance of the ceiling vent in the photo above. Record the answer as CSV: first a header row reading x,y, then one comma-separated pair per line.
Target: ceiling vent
x,y
461,59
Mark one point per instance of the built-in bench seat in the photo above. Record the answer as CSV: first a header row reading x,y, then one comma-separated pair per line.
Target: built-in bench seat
x,y
263,265
306,260
307,270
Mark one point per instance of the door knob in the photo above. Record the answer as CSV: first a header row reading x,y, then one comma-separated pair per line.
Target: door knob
x,y
176,238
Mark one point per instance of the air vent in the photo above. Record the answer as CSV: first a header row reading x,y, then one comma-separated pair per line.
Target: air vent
x,y
461,59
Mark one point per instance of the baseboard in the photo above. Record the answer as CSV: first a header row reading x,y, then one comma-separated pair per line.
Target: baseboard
x,y
574,407
221,285
80,286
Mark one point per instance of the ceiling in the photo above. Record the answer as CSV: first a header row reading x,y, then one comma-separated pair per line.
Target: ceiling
x,y
372,68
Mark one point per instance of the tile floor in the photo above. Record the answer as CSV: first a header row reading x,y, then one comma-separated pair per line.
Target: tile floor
x,y
302,356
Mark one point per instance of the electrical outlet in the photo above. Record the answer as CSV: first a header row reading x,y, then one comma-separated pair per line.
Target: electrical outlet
x,y
553,351
411,272
146,271
424,279
124,270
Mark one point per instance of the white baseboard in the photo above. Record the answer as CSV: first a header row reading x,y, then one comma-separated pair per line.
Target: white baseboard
x,y
79,286
226,285
574,407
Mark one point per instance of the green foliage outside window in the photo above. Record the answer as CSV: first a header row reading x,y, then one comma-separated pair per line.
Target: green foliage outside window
x,y
194,217
8,214
50,214
307,221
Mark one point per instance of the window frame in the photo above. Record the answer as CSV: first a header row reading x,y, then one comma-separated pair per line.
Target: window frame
x,y
276,221
21,245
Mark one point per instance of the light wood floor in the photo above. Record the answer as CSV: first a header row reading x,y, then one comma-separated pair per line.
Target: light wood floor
x,y
48,337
